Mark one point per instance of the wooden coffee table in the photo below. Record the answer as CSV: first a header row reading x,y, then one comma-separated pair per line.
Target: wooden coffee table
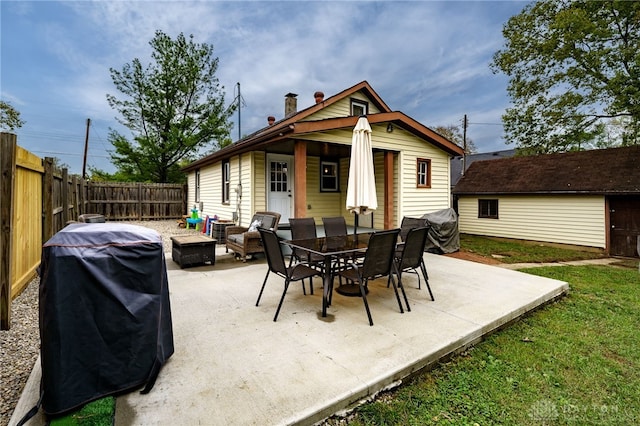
x,y
191,250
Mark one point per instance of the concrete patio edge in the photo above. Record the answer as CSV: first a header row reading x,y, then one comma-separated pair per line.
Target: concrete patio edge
x,y
353,398
249,371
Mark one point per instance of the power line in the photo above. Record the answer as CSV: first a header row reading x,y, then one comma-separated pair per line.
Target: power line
x,y
68,137
73,154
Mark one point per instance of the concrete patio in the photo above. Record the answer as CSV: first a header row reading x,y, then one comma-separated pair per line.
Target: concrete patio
x,y
234,366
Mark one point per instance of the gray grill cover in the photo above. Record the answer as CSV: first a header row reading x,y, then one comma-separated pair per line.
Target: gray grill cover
x,y
105,319
443,236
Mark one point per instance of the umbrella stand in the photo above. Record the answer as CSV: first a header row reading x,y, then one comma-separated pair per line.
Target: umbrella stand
x,y
355,222
352,289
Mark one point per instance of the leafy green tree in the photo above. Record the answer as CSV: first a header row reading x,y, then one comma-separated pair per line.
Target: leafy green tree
x,y
455,135
574,69
98,175
59,164
9,117
174,108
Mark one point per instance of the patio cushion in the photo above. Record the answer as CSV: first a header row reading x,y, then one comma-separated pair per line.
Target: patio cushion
x,y
267,221
236,238
255,225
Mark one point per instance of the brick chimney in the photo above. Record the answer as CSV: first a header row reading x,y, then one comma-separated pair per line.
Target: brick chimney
x,y
271,119
319,96
290,104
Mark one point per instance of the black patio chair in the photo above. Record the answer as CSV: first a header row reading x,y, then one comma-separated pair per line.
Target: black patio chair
x,y
334,226
412,257
409,223
378,262
303,229
275,259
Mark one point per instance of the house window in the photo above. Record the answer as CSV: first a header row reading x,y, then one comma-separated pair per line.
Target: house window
x,y
423,177
226,181
488,209
329,176
359,107
279,176
197,185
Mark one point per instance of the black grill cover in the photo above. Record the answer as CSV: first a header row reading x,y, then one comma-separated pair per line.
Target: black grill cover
x,y
105,319
443,235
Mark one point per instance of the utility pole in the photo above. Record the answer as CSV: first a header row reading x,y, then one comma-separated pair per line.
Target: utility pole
x,y
86,148
239,120
464,143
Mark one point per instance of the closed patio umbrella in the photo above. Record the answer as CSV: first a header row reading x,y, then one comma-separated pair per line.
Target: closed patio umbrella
x,y
361,187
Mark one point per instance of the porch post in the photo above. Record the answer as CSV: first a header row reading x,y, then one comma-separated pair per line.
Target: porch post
x,y
300,179
388,190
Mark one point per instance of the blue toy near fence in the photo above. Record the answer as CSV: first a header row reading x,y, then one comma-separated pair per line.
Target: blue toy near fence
x,y
195,219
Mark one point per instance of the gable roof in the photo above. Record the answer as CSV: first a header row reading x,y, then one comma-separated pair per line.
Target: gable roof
x,y
295,125
613,171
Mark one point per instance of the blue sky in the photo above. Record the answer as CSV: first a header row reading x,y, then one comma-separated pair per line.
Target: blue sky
x,y
428,59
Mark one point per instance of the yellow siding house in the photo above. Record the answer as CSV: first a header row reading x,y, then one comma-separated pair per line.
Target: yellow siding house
x,y
298,165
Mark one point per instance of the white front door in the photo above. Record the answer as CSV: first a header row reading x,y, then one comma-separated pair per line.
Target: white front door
x,y
280,185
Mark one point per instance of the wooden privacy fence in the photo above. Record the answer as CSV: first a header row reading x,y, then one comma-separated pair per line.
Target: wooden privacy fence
x,y
37,200
20,221
137,201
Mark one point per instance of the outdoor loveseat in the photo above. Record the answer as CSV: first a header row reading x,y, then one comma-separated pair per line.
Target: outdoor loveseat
x,y
244,241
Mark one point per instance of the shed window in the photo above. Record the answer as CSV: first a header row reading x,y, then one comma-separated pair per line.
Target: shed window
x,y
226,181
329,176
359,107
423,168
488,209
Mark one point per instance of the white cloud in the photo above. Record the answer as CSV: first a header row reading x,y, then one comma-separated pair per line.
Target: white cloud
x,y
428,59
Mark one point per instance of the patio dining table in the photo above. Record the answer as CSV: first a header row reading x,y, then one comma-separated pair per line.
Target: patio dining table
x,y
330,248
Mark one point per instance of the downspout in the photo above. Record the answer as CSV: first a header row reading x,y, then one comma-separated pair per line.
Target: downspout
x,y
239,187
239,191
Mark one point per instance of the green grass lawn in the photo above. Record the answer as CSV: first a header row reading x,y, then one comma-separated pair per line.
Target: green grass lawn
x,y
576,361
96,413
516,251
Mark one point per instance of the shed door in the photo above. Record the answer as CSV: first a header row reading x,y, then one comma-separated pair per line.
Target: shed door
x,y
625,225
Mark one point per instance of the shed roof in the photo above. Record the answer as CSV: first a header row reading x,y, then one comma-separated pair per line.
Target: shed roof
x,y
456,162
613,171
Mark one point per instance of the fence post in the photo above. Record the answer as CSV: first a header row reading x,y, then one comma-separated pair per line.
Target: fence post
x,y
65,196
75,196
83,197
139,201
89,196
185,196
47,199
8,145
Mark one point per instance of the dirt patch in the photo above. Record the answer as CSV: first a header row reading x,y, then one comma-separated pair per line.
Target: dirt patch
x,y
473,257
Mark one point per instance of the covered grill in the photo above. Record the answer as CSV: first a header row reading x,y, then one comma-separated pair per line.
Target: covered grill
x,y
105,318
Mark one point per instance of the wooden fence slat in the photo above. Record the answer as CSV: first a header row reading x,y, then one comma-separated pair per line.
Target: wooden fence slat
x,y
8,146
